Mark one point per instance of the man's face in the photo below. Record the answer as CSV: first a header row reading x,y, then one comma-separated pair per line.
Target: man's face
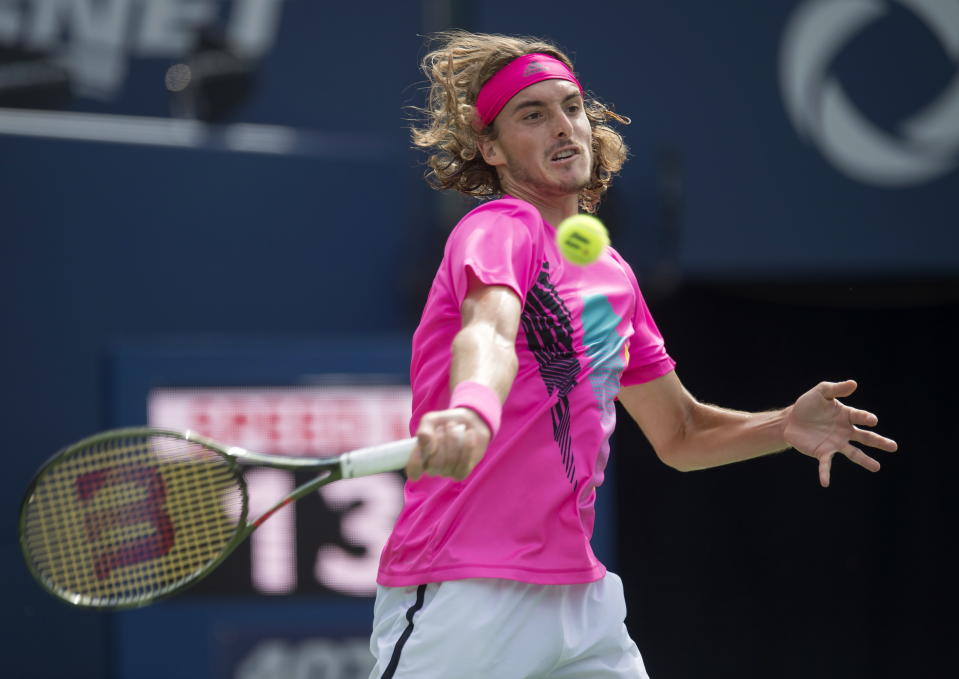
x,y
544,141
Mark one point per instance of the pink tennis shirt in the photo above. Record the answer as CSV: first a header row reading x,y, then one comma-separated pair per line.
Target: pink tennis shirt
x,y
526,512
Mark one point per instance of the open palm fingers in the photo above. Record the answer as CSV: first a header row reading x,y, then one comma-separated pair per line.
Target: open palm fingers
x,y
863,418
874,440
850,451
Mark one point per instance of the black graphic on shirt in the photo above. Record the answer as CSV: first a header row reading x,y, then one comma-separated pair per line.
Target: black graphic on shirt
x,y
547,324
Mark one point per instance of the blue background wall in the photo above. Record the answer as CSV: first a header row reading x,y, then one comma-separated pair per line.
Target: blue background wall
x,y
768,268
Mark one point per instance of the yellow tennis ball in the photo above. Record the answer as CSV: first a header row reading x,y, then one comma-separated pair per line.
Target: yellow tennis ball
x,y
582,239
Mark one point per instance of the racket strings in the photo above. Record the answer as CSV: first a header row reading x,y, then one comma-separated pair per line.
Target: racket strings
x,y
124,520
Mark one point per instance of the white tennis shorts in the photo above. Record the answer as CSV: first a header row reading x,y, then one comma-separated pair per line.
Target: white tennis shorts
x,y
502,629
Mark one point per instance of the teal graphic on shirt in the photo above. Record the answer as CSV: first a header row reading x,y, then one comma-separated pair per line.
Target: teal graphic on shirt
x,y
604,349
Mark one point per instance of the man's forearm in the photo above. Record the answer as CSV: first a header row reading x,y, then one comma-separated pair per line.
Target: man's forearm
x,y
481,354
712,436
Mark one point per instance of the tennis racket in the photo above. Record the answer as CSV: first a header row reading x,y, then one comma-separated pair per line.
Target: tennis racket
x,y
129,516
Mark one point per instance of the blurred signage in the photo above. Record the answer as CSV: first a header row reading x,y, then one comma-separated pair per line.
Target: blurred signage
x,y
268,658
926,145
327,542
95,39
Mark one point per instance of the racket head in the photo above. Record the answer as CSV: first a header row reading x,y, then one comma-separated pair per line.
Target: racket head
x,y
129,516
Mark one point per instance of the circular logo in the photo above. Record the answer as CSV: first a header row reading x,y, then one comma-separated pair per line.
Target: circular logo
x,y
927,144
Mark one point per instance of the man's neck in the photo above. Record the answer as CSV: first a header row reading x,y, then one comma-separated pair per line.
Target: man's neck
x,y
554,209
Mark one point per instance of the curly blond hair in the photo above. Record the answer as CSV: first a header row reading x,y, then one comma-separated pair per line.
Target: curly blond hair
x,y
456,69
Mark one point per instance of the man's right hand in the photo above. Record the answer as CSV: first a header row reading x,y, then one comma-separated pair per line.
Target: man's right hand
x,y
449,443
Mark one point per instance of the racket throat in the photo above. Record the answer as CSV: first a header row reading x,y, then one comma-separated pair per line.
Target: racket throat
x,y
298,492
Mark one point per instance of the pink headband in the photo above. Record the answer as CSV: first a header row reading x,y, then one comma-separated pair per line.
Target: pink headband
x,y
515,76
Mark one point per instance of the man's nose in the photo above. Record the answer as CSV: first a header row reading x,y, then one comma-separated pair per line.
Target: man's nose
x,y
563,127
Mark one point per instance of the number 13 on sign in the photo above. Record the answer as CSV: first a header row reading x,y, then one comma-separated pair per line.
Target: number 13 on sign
x,y
367,508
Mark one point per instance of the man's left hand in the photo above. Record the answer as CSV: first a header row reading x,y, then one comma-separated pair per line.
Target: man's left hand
x,y
820,426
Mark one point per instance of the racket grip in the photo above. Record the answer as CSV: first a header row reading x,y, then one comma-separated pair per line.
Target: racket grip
x,y
385,457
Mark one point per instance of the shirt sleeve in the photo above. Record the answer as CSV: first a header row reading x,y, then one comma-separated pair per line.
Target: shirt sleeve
x,y
647,350
498,246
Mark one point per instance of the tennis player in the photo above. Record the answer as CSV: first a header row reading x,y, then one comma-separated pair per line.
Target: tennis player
x,y
517,360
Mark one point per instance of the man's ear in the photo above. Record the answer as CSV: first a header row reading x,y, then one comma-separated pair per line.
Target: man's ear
x,y
491,152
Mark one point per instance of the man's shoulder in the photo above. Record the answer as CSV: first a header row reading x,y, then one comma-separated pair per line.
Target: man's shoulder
x,y
501,229
505,207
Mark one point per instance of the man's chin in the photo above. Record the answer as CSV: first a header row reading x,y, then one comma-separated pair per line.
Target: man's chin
x,y
553,185
573,186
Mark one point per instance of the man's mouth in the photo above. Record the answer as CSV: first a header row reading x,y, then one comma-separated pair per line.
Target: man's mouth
x,y
565,154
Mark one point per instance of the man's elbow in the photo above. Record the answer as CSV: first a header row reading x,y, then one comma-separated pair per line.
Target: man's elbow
x,y
681,450
673,457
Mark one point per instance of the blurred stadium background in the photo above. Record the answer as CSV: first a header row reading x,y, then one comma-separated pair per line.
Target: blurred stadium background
x,y
211,217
